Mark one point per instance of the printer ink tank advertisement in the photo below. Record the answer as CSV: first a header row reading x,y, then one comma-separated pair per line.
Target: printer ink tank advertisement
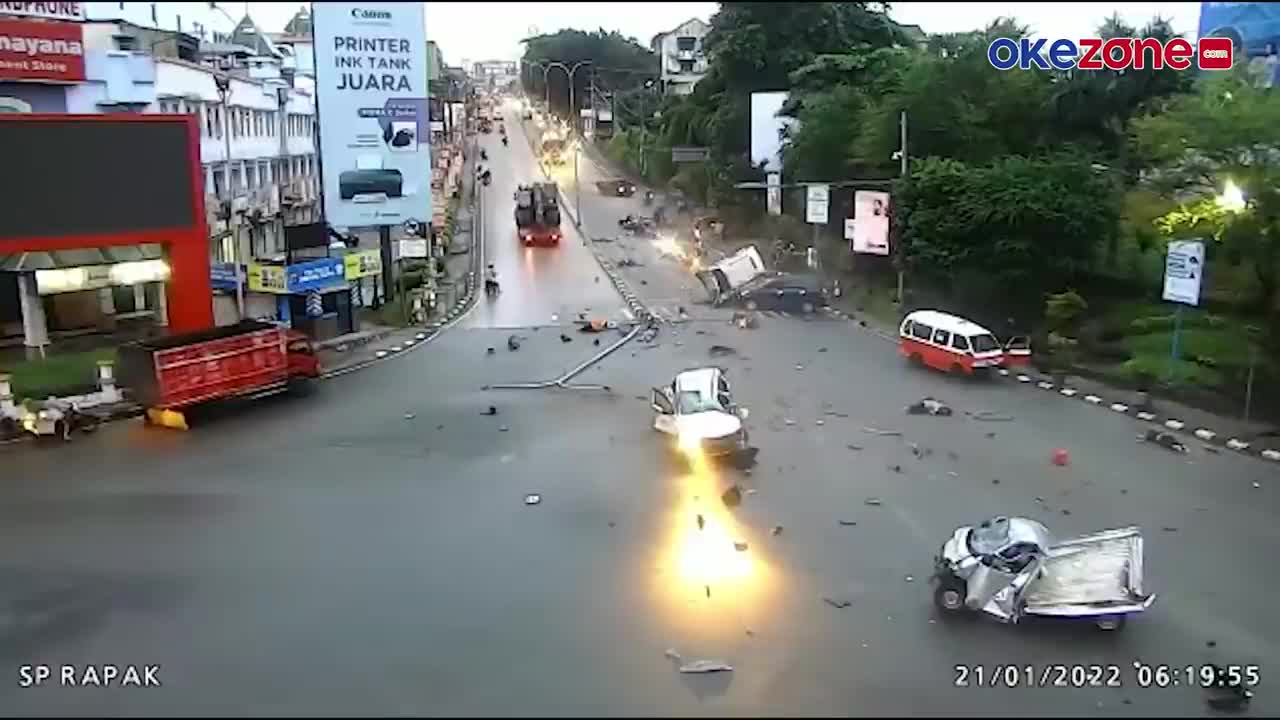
x,y
371,87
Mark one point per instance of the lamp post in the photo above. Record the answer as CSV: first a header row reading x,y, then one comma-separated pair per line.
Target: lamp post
x,y
223,83
570,71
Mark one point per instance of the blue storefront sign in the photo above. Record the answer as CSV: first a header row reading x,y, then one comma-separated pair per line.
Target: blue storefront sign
x,y
222,276
322,274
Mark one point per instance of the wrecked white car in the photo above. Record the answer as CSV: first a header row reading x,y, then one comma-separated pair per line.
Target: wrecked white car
x,y
725,279
698,412
1010,568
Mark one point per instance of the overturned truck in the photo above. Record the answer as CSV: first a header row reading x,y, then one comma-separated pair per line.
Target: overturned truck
x,y
538,214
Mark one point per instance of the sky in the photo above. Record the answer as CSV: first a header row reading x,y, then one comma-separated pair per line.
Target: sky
x,y
476,31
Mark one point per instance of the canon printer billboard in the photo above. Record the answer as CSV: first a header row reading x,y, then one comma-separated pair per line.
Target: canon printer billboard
x,y
371,86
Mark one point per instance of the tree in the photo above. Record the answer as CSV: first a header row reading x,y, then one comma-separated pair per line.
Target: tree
x,y
616,61
1227,132
1017,225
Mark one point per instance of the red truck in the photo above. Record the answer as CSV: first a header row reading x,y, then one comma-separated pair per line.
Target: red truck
x,y
251,358
538,215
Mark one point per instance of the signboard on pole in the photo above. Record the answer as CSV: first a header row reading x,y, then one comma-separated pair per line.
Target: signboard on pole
x,y
413,249
817,202
868,231
1183,270
375,128
688,154
773,190
362,263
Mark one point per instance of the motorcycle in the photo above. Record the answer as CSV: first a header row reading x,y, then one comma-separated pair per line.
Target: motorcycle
x,y
648,197
491,287
485,177
504,141
484,155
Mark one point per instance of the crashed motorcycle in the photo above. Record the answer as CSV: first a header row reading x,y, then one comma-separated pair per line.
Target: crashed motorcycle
x,y
485,178
638,225
1013,569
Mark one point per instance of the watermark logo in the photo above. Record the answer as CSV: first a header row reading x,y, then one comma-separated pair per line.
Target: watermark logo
x,y
1113,54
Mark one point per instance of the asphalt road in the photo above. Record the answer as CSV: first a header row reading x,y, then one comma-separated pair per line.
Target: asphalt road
x,y
369,550
540,286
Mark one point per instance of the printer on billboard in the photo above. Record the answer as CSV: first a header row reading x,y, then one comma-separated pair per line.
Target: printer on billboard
x,y
370,182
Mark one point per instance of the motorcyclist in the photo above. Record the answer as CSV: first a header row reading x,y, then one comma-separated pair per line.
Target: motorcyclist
x,y
483,155
504,141
491,280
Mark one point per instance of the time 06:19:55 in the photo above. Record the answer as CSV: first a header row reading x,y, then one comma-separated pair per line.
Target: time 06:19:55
x,y
1204,676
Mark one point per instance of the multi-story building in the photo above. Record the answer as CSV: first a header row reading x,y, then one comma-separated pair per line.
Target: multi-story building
x,y
258,126
681,56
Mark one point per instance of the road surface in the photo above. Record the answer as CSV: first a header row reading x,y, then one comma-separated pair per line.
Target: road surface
x,y
369,550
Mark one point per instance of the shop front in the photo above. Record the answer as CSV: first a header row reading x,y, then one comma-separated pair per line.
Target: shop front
x,y
312,297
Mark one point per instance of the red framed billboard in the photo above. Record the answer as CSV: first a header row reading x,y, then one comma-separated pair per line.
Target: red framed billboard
x,y
93,181
43,50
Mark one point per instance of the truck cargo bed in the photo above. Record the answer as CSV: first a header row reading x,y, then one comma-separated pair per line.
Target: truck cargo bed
x,y
1097,571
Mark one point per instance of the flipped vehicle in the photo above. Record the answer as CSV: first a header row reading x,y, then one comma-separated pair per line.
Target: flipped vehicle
x,y
1011,569
697,410
724,280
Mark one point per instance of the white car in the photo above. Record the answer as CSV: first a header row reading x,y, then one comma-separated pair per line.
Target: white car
x,y
698,411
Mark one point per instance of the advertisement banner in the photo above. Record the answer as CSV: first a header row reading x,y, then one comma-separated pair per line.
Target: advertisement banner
x,y
362,264
1183,272
413,248
41,50
222,276
267,279
315,275
48,10
871,222
371,89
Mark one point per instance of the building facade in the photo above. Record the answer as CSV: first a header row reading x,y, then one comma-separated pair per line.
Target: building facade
x,y
681,55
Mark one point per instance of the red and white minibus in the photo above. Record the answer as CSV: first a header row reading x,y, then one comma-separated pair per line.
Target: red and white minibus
x,y
952,344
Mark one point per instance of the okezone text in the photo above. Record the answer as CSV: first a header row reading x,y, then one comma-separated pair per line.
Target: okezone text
x,y
1113,54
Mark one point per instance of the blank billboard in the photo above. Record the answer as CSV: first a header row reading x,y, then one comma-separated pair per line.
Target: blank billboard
x,y
766,129
94,177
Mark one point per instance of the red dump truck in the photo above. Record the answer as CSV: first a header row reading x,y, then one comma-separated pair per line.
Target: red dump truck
x,y
538,214
250,359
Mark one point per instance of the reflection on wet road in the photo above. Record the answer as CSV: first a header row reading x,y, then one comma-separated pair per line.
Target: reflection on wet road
x,y
540,286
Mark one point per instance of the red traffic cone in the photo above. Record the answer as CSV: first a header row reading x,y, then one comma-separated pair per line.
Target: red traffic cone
x,y
1061,458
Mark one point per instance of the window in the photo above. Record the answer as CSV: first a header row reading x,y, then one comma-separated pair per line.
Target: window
x,y
126,43
686,44
219,170
984,343
941,337
217,122
920,331
206,113
960,342
686,66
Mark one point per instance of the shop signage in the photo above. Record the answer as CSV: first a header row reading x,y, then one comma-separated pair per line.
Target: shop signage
x,y
267,279
47,10
222,276
96,277
362,264
41,50
315,275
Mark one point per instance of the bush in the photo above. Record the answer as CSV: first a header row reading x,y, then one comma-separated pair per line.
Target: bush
x,y
1063,310
1150,369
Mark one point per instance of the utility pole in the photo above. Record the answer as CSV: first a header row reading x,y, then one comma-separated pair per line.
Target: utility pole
x,y
902,173
223,83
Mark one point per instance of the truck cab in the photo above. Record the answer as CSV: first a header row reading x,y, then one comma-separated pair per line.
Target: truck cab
x,y
697,410
303,360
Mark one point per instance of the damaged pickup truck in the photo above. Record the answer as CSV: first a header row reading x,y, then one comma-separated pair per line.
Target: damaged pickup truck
x,y
1011,569
742,279
697,408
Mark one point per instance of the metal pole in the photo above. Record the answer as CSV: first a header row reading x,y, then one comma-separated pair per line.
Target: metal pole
x,y
1248,387
224,95
1177,332
577,187
902,172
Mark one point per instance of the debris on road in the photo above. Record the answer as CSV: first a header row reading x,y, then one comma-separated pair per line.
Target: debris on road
x,y
848,523
822,349
896,468
909,578
833,413
408,416
837,604
532,499
745,321
513,343
990,435
702,522
929,406
732,497
873,502
673,655
855,448
953,455
1168,441
628,262
489,351
740,546
596,342
1061,457
503,428
1169,528
776,531
1228,691
706,666
1212,450
819,422
721,351
565,338
991,416
789,421
799,366
886,433
490,411
602,239
595,325
995,481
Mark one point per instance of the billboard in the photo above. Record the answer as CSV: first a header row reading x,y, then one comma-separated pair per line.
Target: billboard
x,y
41,50
1250,25
870,224
767,128
371,90
73,11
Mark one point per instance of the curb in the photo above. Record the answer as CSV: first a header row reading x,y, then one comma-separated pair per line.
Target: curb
x,y
1043,383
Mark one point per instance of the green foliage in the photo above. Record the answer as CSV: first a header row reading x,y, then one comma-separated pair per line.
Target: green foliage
x,y
1026,224
62,374
619,62
1064,310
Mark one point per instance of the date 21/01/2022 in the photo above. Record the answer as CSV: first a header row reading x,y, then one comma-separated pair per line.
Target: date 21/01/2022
x,y
103,676
1136,675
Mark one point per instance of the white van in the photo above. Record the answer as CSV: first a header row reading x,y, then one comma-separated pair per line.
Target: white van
x,y
727,277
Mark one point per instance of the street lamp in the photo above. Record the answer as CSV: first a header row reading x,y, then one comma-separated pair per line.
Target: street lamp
x,y
568,71
223,83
